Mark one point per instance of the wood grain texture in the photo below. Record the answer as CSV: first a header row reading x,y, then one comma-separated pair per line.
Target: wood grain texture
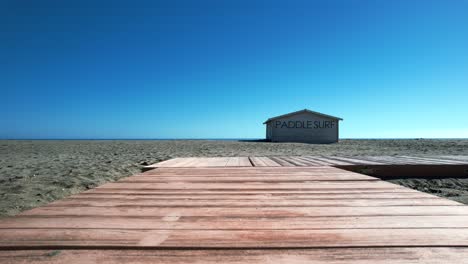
x,y
413,255
299,161
149,202
263,162
239,162
135,211
40,238
177,222
250,178
232,212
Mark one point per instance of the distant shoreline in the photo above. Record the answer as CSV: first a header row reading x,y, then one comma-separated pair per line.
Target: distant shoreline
x,y
215,139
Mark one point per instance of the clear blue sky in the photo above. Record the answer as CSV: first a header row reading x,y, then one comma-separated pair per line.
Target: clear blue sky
x,y
218,69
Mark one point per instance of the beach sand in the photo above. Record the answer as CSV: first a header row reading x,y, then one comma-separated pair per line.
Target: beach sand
x,y
33,173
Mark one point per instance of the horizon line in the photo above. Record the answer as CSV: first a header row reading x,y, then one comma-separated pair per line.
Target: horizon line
x,y
230,139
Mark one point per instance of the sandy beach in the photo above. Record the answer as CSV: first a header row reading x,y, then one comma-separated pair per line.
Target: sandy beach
x,y
33,173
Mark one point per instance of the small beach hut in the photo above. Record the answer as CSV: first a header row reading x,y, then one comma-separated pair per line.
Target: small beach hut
x,y
303,126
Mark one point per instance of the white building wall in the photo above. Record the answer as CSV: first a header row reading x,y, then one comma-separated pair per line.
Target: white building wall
x,y
304,127
268,131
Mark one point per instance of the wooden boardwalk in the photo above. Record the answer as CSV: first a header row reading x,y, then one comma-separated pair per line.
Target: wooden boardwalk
x,y
241,213
309,161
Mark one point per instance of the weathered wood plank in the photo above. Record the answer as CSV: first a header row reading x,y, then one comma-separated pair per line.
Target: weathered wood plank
x,y
318,160
282,162
238,162
263,162
267,196
146,238
227,204
253,203
176,162
412,255
333,161
227,172
211,162
355,160
296,162
253,170
313,162
247,178
269,162
257,162
252,212
292,161
176,222
249,191
309,185
165,163
193,162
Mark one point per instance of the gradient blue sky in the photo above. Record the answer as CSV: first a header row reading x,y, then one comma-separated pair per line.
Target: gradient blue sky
x,y
218,69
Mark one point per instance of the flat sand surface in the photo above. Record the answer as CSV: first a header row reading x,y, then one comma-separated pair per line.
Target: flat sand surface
x,y
33,173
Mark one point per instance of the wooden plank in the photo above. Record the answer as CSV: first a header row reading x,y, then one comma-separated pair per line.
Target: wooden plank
x,y
411,255
190,162
238,162
156,172
269,162
176,162
176,222
233,162
214,162
332,161
291,161
253,203
164,163
245,162
313,162
194,162
252,169
224,203
310,162
250,191
245,178
187,162
248,211
296,162
257,162
282,162
253,190
255,239
355,160
312,185
284,196
318,160
263,162
184,162
248,174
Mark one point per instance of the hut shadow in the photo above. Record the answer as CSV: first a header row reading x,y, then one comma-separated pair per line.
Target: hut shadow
x,y
253,140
